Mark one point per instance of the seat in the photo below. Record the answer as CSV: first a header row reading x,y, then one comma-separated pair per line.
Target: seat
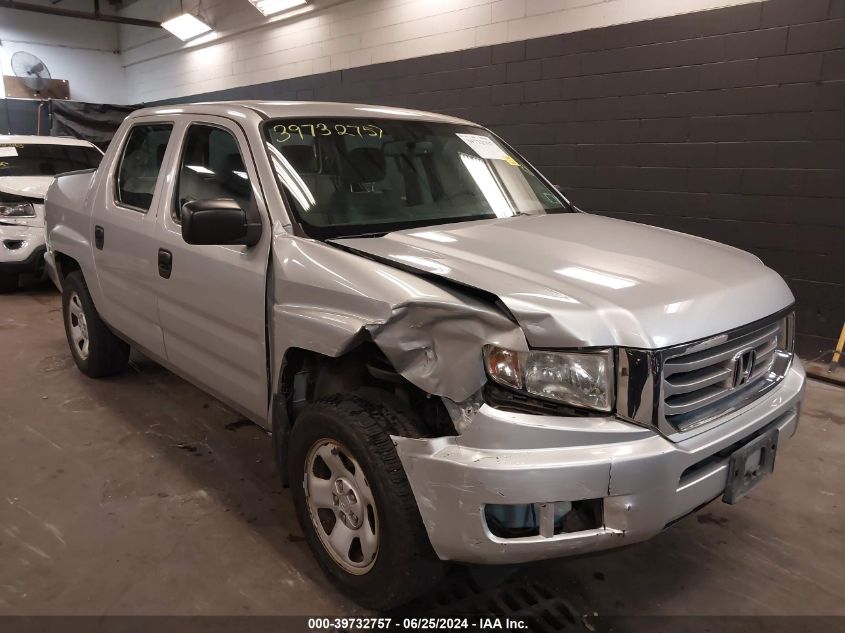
x,y
357,201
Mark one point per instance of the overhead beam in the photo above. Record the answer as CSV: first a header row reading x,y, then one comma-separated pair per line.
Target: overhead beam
x,y
82,15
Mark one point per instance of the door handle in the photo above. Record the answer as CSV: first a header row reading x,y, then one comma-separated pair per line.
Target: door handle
x,y
99,236
165,263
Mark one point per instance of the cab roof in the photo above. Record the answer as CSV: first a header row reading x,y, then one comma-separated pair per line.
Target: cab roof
x,y
297,109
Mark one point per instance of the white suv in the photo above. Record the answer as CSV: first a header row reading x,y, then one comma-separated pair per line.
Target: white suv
x,y
27,167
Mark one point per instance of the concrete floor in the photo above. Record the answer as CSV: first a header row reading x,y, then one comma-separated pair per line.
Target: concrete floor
x,y
142,495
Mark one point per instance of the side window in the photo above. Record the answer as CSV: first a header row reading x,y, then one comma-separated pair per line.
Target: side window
x,y
140,164
211,167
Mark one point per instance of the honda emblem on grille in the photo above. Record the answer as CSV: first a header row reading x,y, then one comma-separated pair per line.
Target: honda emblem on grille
x,y
743,366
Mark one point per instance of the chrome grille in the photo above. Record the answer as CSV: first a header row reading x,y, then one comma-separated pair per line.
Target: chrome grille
x,y
680,388
696,379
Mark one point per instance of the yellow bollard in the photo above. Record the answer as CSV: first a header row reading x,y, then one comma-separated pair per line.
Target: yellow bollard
x,y
834,363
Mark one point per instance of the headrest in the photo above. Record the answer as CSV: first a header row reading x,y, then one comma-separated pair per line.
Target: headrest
x,y
363,164
302,158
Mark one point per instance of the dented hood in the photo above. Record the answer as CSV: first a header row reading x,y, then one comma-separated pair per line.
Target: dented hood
x,y
581,280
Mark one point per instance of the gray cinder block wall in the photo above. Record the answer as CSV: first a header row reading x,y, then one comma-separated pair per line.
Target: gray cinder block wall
x,y
728,124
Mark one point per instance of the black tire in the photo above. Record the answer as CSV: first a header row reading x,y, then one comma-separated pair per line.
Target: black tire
x,y
405,566
106,353
8,282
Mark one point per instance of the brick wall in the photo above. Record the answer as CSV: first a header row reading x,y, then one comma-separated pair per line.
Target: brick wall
x,y
328,35
729,124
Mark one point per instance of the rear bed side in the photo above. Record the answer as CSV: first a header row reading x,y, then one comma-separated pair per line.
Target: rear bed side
x,y
68,217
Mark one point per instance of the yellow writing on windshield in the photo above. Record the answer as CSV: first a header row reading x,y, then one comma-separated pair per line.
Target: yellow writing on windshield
x,y
284,133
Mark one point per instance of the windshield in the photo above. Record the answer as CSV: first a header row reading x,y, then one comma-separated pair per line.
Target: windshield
x,y
41,159
347,177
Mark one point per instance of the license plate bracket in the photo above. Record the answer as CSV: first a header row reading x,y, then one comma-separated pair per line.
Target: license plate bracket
x,y
749,464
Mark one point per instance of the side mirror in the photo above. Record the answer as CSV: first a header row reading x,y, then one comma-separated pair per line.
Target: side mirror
x,y
219,221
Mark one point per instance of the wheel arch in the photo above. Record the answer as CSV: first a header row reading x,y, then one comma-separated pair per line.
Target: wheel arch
x,y
65,265
306,375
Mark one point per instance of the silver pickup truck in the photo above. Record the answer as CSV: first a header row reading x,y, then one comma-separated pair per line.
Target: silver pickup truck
x,y
455,363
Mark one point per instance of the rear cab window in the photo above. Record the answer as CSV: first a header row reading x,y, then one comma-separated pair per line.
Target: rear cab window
x,y
140,164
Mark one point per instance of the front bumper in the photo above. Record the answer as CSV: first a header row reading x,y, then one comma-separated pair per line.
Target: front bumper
x,y
22,249
644,481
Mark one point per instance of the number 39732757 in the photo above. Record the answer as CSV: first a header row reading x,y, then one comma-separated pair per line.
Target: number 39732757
x,y
282,133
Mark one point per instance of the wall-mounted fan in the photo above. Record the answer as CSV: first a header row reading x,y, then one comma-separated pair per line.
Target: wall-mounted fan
x,y
32,80
32,71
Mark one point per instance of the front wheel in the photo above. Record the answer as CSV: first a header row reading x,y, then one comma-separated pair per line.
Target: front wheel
x,y
354,502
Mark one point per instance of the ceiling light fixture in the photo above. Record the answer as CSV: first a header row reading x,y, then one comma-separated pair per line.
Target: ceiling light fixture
x,y
272,7
186,26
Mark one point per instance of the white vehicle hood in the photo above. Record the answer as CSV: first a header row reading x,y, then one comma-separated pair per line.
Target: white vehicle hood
x,y
30,187
582,280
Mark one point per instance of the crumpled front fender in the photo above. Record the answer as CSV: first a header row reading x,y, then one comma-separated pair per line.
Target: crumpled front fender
x,y
327,300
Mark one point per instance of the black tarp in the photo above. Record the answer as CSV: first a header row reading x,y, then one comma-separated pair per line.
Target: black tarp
x,y
95,122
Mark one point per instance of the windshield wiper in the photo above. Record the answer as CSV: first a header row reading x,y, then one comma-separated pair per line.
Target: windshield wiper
x,y
357,235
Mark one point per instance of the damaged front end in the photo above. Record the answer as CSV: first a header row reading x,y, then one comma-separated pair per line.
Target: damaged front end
x,y
328,301
510,481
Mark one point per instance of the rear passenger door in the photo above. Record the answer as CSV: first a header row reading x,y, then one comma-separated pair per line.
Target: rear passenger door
x,y
124,234
212,305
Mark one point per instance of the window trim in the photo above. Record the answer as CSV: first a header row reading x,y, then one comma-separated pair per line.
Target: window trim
x,y
183,142
116,174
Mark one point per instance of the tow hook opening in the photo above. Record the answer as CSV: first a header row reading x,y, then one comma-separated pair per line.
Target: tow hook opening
x,y
543,519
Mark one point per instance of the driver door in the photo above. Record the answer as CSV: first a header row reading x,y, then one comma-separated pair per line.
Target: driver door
x,y
211,299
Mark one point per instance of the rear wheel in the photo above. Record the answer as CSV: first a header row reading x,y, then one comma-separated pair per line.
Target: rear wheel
x,y
8,282
354,502
95,349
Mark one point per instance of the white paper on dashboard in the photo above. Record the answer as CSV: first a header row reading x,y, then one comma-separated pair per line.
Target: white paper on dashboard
x,y
484,146
8,151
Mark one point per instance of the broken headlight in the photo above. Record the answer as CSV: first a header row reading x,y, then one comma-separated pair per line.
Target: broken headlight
x,y
580,379
17,210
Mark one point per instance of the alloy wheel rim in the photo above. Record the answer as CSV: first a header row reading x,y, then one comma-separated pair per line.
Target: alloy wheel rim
x,y
78,325
341,505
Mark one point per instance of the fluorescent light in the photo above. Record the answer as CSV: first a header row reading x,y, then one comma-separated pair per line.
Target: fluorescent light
x,y
291,179
434,236
200,169
186,26
422,262
483,177
271,7
396,111
594,277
